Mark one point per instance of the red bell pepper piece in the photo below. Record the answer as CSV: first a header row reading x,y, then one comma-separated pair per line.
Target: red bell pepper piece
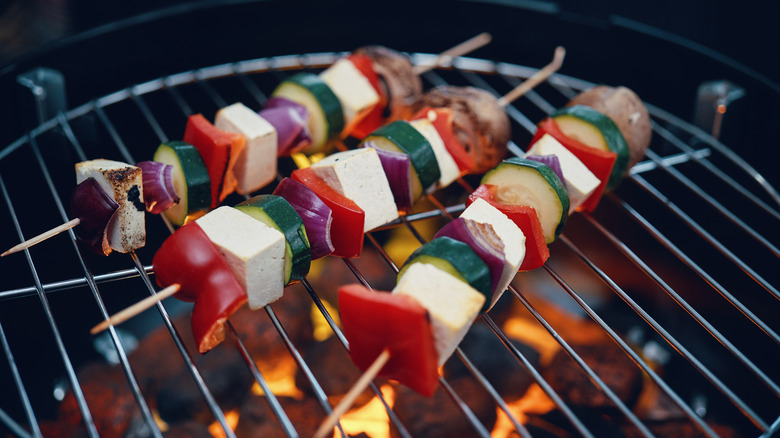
x,y
346,230
526,218
442,120
375,321
219,150
189,258
374,119
599,162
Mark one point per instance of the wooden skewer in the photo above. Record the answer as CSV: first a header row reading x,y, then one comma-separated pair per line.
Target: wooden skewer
x,y
536,79
467,46
135,309
43,236
350,397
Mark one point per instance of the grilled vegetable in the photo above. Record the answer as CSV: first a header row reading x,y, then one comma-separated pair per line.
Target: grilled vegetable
x,y
348,219
94,208
400,136
326,117
188,257
588,126
457,259
317,217
190,180
377,321
276,212
520,181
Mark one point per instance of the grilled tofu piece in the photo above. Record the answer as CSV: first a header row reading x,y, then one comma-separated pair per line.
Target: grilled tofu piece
x,y
353,90
253,250
452,304
123,182
358,175
256,165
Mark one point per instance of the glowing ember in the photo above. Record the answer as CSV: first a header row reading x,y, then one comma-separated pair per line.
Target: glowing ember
x,y
370,418
215,429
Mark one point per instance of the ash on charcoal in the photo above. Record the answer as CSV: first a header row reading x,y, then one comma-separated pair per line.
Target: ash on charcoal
x,y
438,416
256,418
334,370
613,366
489,355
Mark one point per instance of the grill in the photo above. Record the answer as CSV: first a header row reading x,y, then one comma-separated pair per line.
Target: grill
x,y
677,268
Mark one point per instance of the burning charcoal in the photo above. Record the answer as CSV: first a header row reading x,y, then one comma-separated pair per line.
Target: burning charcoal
x,y
226,376
333,369
256,418
438,416
258,333
679,428
188,429
109,398
609,362
555,424
494,361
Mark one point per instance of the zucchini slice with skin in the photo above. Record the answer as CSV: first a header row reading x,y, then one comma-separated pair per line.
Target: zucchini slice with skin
x,y
276,212
596,130
190,180
521,181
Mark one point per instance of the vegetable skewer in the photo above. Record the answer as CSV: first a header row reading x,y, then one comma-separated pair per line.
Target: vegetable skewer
x,y
272,115
373,370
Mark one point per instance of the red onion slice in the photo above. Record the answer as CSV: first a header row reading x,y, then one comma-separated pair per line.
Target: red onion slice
x,y
483,240
95,209
317,216
552,162
398,170
291,124
159,193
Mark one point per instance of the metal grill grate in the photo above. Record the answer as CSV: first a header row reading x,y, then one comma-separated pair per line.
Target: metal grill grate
x,y
692,225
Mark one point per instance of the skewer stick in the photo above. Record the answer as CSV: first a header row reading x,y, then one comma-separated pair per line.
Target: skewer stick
x,y
350,397
43,236
135,309
536,79
467,46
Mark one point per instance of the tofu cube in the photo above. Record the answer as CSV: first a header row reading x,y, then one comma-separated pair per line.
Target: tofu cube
x,y
256,165
447,165
253,250
451,303
351,87
124,183
580,182
510,234
358,175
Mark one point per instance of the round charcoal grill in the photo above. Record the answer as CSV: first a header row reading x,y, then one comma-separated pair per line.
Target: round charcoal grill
x,y
676,269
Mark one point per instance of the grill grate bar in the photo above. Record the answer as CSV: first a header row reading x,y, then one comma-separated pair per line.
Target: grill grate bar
x,y
684,352
343,340
706,164
126,155
318,392
210,91
14,426
690,263
250,86
74,283
28,409
179,99
567,412
720,147
147,113
478,426
188,361
626,348
71,373
725,212
273,402
684,304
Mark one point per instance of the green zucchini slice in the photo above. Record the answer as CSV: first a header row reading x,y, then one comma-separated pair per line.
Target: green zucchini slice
x,y
190,179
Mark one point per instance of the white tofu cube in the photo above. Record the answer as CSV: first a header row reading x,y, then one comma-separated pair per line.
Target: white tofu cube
x,y
580,182
253,250
452,304
124,183
510,234
358,175
353,90
256,165
447,165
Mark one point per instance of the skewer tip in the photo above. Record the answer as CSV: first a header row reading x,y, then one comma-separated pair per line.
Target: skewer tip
x,y
135,309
